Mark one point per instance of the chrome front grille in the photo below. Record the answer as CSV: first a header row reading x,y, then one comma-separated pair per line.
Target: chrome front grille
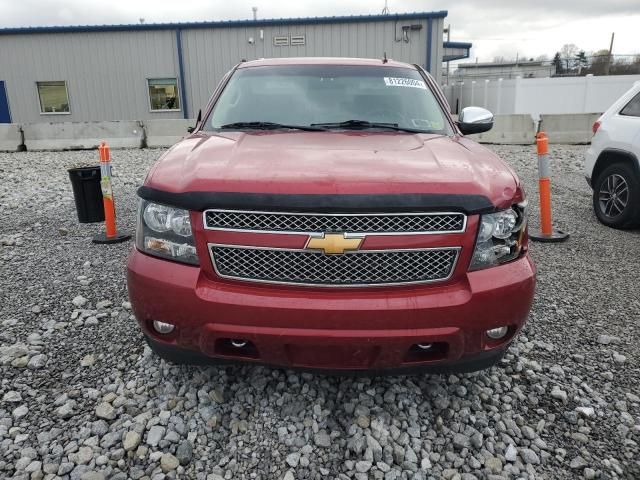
x,y
378,223
359,268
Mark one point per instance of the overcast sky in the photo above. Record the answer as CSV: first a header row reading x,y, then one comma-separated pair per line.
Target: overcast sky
x,y
496,27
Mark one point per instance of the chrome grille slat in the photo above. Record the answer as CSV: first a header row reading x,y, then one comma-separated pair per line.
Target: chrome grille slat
x,y
374,223
361,268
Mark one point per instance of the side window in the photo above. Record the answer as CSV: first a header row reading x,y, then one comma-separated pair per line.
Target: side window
x,y
632,108
53,97
163,94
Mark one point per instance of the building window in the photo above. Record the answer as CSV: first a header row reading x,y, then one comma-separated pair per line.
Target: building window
x,y
297,40
281,41
163,94
54,97
286,40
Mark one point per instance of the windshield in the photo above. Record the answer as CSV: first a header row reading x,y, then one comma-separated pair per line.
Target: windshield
x,y
328,97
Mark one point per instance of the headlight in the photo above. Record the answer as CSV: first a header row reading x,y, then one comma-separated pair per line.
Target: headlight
x,y
500,237
165,232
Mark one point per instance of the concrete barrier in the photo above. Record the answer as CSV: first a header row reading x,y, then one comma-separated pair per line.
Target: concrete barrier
x,y
569,128
82,135
10,137
164,133
509,130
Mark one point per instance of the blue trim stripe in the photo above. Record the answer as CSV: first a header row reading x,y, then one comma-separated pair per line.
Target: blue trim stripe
x,y
183,82
5,111
457,45
225,24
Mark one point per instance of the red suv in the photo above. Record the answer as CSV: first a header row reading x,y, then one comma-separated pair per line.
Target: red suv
x,y
330,214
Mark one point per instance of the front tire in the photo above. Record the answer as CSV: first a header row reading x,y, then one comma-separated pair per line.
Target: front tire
x,y
616,197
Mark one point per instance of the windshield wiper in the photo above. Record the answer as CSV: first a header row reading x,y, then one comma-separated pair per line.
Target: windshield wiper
x,y
365,124
269,126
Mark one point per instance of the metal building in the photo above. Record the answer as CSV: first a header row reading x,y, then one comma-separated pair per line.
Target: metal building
x,y
156,71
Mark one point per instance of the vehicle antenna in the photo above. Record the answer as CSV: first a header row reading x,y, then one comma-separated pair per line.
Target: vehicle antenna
x,y
384,60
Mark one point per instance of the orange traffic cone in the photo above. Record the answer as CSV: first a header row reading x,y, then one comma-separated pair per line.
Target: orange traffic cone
x,y
547,233
110,235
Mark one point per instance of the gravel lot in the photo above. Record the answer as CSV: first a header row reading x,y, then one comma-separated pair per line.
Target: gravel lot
x,y
82,398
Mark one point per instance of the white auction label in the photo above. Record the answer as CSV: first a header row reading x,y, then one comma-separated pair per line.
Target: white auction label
x,y
404,82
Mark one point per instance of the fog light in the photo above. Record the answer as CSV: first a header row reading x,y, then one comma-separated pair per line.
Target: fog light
x,y
497,333
425,346
162,327
239,343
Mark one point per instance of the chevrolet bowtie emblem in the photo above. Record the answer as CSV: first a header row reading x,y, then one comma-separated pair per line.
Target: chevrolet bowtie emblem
x,y
334,243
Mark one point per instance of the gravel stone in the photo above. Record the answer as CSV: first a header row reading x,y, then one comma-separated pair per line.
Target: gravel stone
x,y
461,441
587,412
168,462
363,421
529,456
65,467
12,397
131,440
293,459
37,361
105,411
20,412
607,339
79,301
322,439
184,452
511,455
66,410
363,466
289,475
578,463
494,464
619,358
156,433
559,394
564,394
92,475
84,455
88,360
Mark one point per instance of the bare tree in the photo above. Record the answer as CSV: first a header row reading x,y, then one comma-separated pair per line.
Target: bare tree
x,y
599,60
568,54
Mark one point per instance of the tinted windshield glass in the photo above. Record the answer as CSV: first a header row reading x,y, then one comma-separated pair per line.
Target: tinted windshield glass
x,y
319,94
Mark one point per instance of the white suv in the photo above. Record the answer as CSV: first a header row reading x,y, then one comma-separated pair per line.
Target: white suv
x,y
612,163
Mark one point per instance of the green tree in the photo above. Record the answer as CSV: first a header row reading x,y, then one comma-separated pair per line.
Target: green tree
x,y
557,62
581,61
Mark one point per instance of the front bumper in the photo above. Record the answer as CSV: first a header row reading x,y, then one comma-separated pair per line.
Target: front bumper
x,y
333,329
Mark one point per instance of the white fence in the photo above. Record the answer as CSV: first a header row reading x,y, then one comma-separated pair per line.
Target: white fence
x,y
540,95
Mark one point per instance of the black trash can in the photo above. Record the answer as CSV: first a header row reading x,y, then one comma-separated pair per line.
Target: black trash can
x,y
87,193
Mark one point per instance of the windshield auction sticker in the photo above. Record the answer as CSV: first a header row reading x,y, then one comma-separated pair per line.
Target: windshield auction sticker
x,y
404,82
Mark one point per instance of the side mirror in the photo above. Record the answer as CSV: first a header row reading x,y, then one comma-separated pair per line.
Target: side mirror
x,y
475,120
191,129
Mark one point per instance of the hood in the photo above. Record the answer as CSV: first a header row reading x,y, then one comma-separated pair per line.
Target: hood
x,y
330,163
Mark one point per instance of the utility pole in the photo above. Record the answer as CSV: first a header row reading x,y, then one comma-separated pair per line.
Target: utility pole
x,y
609,58
448,38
